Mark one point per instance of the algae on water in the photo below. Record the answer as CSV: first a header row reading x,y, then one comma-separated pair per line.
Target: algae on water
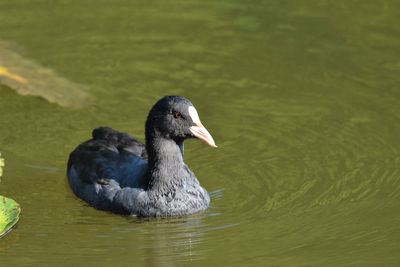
x,y
29,78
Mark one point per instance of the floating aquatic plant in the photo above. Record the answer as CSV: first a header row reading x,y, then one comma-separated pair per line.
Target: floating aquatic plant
x,y
9,209
9,214
1,165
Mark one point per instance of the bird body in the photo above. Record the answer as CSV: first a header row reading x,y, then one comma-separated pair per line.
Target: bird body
x,y
115,172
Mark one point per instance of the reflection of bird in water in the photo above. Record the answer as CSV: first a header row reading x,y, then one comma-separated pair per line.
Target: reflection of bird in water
x,y
26,77
173,241
6,73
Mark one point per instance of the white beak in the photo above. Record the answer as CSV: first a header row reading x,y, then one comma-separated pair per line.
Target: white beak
x,y
199,131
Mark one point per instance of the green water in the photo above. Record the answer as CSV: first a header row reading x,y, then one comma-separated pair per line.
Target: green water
x,y
302,98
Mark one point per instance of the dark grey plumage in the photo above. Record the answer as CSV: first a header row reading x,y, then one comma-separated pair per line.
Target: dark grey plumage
x,y
113,171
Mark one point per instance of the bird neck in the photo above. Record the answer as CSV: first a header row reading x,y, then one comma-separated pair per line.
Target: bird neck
x,y
166,165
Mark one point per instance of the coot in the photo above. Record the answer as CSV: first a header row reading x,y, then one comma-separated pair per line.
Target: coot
x,y
115,172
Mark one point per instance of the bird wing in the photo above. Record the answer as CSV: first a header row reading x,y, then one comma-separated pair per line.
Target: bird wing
x,y
109,155
123,142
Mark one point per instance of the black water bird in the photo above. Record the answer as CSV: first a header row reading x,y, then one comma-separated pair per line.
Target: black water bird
x,y
115,172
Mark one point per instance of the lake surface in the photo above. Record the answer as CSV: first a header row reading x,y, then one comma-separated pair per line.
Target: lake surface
x,y
302,98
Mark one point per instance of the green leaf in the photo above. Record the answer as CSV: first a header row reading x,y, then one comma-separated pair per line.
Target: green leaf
x,y
9,214
1,165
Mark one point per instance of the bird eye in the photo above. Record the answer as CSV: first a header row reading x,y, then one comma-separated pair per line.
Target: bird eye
x,y
177,114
